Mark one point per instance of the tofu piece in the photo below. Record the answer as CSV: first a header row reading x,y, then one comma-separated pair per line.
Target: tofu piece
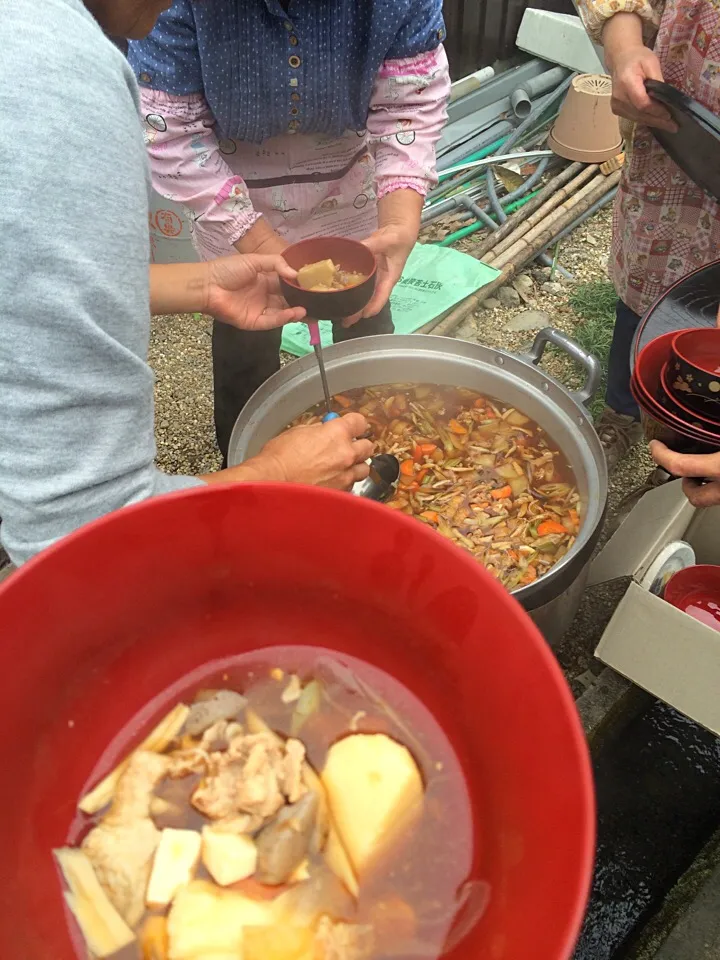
x,y
320,274
375,792
176,860
229,857
207,923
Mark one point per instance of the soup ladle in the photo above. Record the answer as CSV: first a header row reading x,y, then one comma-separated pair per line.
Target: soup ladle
x,y
380,483
316,344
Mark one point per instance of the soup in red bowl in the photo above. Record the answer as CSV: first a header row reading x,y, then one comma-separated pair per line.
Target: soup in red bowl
x,y
251,586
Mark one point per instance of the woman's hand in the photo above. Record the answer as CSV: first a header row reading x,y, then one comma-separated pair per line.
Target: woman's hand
x,y
243,291
691,466
322,454
631,63
399,214
392,245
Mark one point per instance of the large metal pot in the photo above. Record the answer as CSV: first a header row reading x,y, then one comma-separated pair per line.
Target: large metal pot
x,y
553,599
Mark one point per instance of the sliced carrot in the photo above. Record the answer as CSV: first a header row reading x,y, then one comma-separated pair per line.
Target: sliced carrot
x,y
407,468
502,493
514,555
479,403
457,428
420,475
490,414
530,574
430,515
550,526
343,400
417,453
428,448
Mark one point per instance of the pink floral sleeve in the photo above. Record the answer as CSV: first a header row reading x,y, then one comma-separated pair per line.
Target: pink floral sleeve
x,y
188,167
596,13
407,114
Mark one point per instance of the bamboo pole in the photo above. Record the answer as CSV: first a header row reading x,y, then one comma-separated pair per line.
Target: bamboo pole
x,y
592,191
517,218
447,324
576,186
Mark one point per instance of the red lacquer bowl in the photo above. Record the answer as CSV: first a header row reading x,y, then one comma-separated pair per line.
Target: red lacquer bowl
x,y
347,254
696,591
694,371
99,626
671,401
659,423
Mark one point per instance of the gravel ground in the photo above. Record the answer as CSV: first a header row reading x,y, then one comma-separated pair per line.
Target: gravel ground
x,y
180,356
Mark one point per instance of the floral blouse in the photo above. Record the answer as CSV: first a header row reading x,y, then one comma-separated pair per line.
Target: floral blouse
x,y
665,226
306,113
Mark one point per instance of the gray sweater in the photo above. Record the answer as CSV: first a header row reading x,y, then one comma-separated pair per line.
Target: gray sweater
x,y
76,393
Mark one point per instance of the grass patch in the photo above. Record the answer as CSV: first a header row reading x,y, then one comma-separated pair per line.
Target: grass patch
x,y
594,303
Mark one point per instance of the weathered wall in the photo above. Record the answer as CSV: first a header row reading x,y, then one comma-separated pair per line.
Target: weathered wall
x,y
482,31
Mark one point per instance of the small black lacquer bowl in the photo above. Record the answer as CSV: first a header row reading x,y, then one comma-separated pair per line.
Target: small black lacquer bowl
x,y
693,373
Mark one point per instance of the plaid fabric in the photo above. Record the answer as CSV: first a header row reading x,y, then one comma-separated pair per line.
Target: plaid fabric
x,y
664,225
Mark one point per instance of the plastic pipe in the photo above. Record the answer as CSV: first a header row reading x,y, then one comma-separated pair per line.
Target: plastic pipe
x,y
474,227
478,142
546,82
497,159
499,212
442,188
502,216
521,103
467,84
539,107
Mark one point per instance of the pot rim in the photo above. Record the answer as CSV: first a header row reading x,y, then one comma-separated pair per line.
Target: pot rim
x,y
518,367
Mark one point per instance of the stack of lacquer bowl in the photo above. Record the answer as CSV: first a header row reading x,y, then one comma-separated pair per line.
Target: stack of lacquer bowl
x,y
676,383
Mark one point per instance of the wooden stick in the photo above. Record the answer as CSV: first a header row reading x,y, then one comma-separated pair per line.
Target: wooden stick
x,y
597,188
444,326
539,215
520,215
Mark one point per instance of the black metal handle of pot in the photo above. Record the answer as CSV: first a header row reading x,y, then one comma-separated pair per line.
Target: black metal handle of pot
x,y
589,363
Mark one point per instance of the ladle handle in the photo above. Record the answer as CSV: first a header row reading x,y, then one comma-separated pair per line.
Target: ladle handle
x,y
589,363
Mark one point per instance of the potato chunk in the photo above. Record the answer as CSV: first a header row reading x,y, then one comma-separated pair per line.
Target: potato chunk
x,y
206,923
229,857
375,793
317,274
278,943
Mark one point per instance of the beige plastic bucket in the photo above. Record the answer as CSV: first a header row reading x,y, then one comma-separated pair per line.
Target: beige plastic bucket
x,y
587,130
